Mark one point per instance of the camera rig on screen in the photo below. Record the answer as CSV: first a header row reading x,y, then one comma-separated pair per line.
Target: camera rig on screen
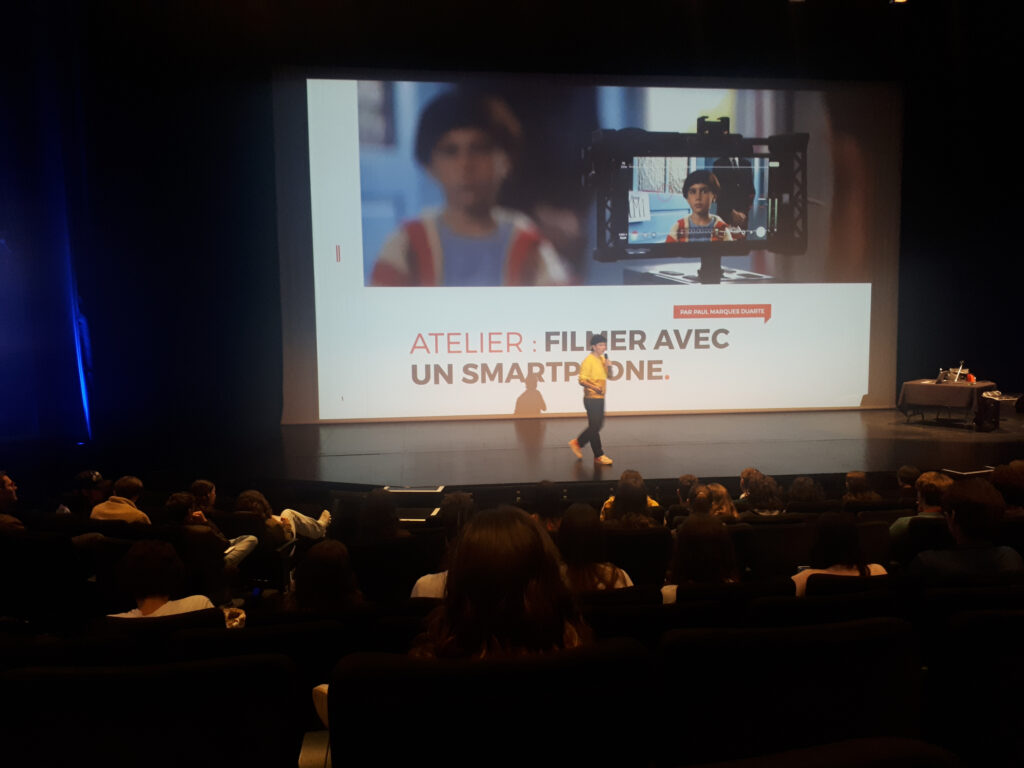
x,y
649,186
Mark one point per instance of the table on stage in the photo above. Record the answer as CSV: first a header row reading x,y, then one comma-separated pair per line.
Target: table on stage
x,y
965,396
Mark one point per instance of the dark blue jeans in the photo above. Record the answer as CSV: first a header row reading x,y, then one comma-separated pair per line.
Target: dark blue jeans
x,y
595,420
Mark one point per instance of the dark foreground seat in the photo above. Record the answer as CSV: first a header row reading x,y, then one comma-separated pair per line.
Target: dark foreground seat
x,y
747,692
854,753
217,712
388,709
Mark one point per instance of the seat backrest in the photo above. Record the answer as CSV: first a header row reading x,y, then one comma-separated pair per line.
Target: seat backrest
x,y
389,709
643,553
768,551
387,570
833,584
924,533
238,711
875,544
744,692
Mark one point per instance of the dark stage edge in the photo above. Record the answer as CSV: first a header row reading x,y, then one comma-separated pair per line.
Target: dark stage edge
x,y
499,452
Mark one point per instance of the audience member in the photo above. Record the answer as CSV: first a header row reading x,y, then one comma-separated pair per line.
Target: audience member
x,y
836,550
857,488
547,505
629,476
455,511
286,526
930,487
121,505
630,507
764,498
9,521
183,508
721,502
377,519
704,554
88,489
747,476
972,508
505,594
153,573
1010,484
906,481
684,490
581,541
806,490
701,500
325,581
205,493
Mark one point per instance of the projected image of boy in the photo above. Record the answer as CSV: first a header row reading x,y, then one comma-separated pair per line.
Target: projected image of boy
x,y
467,143
701,189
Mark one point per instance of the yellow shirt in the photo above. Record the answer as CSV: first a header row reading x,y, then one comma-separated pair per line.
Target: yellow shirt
x,y
592,371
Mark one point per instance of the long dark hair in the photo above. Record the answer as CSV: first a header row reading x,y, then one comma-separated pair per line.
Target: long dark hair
x,y
325,581
704,553
629,509
504,593
836,543
581,540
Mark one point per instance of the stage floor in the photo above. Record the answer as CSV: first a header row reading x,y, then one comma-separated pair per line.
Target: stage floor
x,y
708,445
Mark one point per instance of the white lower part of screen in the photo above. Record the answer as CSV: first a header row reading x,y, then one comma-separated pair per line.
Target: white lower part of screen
x,y
413,352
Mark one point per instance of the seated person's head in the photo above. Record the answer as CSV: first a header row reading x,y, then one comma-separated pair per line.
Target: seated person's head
x,y
254,501
581,542
152,569
907,475
806,490
457,508
836,543
631,476
857,484
180,506
701,500
747,476
205,492
89,485
378,516
324,580
128,487
504,591
973,507
704,553
630,501
547,504
721,501
468,142
8,492
1010,484
931,487
685,487
765,494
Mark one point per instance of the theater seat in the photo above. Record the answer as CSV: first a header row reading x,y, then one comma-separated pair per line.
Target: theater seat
x,y
217,712
747,692
854,753
552,709
643,553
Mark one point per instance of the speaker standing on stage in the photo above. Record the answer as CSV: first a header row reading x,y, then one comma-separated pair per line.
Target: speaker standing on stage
x,y
594,380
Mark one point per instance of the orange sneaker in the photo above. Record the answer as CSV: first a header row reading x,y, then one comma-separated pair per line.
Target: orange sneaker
x,y
574,446
603,459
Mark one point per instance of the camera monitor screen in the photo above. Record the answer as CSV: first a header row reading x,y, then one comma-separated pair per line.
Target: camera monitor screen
x,y
699,200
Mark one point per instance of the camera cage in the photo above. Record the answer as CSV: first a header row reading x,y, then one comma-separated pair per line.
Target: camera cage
x,y
609,161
